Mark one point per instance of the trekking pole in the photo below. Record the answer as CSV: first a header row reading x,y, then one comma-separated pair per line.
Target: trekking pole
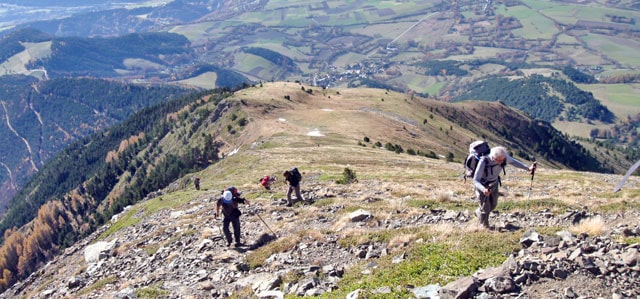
x,y
533,173
265,224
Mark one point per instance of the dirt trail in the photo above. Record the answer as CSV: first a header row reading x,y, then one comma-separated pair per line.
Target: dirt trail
x,y
26,142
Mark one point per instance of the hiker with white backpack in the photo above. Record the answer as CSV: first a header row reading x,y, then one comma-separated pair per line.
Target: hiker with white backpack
x,y
228,202
486,178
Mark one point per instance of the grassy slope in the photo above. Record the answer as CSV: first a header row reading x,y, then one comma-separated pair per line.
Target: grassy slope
x,y
277,137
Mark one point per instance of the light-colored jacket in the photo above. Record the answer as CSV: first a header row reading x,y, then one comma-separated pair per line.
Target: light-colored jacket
x,y
488,171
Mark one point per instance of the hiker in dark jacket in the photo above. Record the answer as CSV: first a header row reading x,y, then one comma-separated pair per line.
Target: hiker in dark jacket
x,y
229,203
487,180
294,185
196,183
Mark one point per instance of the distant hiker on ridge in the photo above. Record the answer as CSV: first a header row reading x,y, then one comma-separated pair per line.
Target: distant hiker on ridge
x,y
294,177
229,202
486,180
196,183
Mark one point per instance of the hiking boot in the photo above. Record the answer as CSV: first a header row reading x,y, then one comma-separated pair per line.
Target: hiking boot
x,y
238,244
289,204
228,243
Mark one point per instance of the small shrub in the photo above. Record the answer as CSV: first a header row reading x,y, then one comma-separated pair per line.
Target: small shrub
x,y
348,177
450,157
398,149
389,146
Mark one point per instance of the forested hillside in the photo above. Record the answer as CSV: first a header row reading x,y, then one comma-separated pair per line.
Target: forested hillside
x,y
42,117
103,57
11,44
97,176
541,97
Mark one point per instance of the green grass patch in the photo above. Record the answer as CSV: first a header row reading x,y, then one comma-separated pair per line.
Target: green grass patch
x,y
623,52
618,207
324,202
127,219
379,236
152,249
621,99
534,24
434,89
352,208
438,204
554,205
257,257
150,207
460,254
548,230
152,291
633,240
98,285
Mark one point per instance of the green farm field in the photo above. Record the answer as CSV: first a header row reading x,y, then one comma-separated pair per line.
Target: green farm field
x,y
535,25
621,99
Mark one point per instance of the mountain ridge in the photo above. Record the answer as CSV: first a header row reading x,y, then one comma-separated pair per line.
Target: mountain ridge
x,y
322,132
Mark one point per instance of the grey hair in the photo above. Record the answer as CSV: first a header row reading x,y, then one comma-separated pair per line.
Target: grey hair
x,y
498,151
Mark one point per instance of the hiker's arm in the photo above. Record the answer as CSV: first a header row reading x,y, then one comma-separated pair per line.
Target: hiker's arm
x,y
241,200
479,176
217,209
517,163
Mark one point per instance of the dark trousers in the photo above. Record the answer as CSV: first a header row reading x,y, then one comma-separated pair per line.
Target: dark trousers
x,y
486,204
298,195
235,221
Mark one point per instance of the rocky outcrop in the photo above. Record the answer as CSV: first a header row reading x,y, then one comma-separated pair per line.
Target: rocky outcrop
x,y
555,258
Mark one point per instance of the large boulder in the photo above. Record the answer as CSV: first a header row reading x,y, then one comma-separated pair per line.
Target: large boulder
x,y
99,251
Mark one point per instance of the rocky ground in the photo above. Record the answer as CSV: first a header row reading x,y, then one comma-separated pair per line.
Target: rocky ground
x,y
181,252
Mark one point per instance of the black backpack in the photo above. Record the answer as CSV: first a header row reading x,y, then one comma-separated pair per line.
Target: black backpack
x,y
295,175
477,150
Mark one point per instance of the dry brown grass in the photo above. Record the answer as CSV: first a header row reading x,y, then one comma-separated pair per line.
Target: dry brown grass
x,y
401,241
123,248
207,233
314,235
444,197
594,226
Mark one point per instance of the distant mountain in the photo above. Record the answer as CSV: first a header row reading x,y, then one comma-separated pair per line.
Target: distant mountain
x,y
115,19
